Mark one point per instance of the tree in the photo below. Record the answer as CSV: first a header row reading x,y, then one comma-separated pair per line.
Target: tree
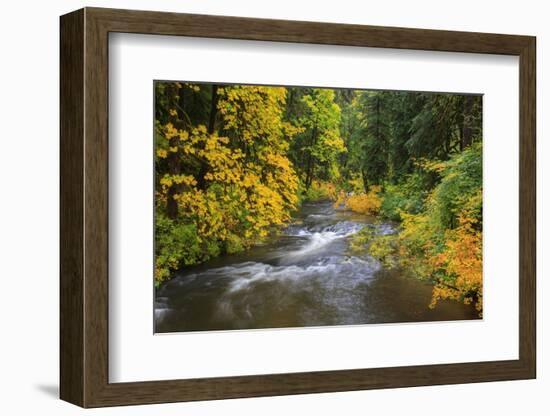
x,y
447,123
223,175
319,143
374,137
233,162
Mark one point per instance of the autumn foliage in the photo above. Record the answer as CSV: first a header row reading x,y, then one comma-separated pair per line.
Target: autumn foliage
x,y
242,186
320,191
234,162
364,203
443,242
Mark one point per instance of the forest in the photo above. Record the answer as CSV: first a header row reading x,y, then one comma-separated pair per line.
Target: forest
x,y
233,164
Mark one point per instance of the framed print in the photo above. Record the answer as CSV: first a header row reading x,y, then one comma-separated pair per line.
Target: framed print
x,y
257,207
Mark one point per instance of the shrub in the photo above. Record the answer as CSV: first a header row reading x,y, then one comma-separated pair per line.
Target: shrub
x,y
407,196
234,244
361,239
383,248
320,191
176,245
366,203
444,242
461,179
461,259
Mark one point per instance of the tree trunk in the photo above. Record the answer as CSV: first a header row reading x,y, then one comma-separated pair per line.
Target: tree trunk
x,y
467,130
174,167
309,167
378,118
213,109
365,180
203,169
308,171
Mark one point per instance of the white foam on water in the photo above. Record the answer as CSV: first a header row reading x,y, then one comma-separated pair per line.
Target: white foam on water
x,y
333,232
264,272
160,314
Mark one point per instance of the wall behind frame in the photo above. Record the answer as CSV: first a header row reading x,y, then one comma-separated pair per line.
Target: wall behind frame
x,y
29,162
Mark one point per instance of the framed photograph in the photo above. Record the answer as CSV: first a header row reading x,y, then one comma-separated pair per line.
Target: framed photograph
x,y
255,207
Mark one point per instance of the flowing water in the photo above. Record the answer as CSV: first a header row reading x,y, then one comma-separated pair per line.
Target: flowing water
x,y
305,277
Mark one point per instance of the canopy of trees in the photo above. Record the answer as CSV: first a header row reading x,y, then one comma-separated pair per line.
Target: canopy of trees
x,y
233,162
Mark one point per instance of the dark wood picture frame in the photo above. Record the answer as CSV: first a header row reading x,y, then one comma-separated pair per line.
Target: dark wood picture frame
x,y
84,207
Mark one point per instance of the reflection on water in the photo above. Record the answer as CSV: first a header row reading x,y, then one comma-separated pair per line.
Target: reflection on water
x,y
305,277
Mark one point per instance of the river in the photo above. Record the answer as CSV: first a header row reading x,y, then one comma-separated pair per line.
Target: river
x,y
305,277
